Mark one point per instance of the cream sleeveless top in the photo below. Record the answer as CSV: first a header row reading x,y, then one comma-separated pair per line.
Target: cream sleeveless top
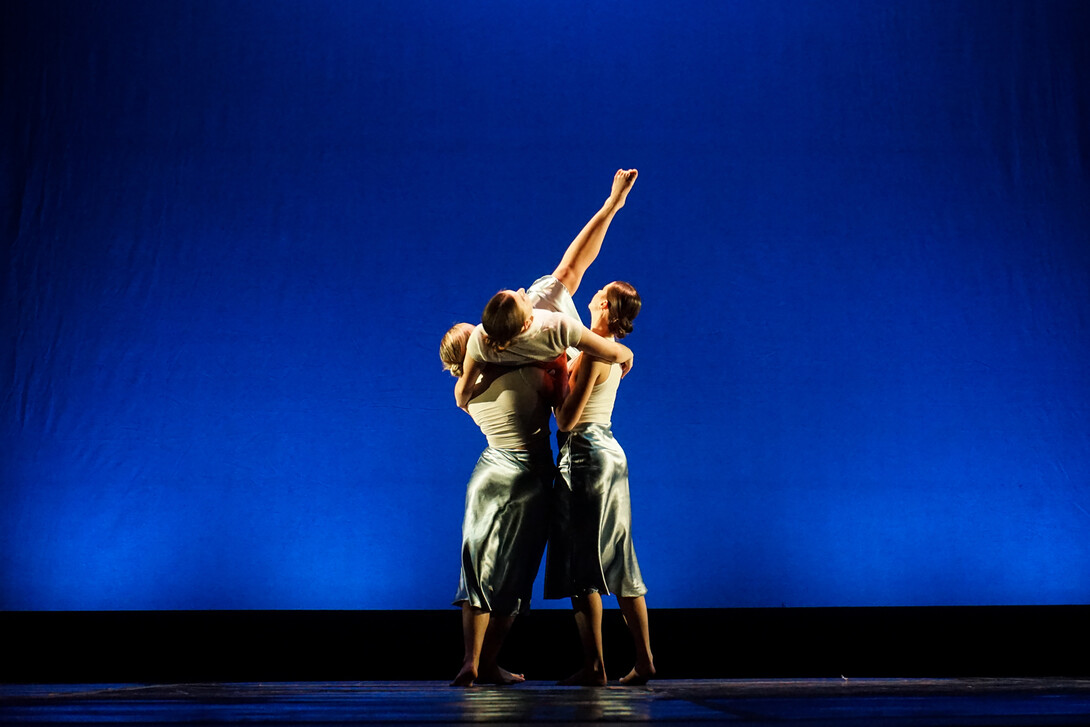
x,y
599,408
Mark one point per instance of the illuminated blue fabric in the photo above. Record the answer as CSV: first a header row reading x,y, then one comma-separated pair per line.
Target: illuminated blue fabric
x,y
234,233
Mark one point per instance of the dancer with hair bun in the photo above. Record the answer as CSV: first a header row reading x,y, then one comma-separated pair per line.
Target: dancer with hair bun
x,y
590,544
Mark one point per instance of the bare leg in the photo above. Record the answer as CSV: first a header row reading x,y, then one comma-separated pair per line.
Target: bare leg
x,y
490,671
474,624
588,619
588,243
634,611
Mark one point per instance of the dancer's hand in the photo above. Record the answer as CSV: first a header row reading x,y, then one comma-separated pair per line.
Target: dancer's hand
x,y
626,366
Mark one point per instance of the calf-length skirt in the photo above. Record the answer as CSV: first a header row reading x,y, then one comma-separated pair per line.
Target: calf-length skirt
x,y
590,540
505,528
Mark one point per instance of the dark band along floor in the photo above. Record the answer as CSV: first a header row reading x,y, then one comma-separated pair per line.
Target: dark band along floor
x,y
737,702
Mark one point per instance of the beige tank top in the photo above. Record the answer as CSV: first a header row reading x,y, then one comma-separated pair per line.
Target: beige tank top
x,y
599,408
511,412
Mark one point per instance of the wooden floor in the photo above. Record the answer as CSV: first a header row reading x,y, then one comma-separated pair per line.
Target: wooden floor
x,y
811,702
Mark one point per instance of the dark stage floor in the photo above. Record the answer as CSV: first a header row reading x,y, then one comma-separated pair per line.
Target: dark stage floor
x,y
737,702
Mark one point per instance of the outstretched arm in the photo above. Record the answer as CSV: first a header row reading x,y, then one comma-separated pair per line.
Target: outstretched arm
x,y
585,247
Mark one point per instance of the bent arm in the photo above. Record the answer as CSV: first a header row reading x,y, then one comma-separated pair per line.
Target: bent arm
x,y
586,374
483,375
588,243
463,389
603,348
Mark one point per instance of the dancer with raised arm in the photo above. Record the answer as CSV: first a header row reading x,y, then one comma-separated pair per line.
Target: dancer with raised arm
x,y
590,546
522,326
506,522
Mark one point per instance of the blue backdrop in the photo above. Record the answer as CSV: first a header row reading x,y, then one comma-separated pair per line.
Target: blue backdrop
x,y
234,233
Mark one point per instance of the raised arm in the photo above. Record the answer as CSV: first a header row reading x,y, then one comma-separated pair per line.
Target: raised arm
x,y
588,243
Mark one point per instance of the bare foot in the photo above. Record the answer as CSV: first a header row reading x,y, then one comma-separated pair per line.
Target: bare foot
x,y
622,185
498,675
639,675
585,678
465,677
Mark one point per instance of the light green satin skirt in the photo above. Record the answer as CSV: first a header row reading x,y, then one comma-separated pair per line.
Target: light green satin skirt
x,y
505,528
590,541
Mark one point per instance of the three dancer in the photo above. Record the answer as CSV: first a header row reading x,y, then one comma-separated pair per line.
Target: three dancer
x,y
504,519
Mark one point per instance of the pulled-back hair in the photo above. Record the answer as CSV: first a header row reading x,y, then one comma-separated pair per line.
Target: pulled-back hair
x,y
452,349
624,306
502,319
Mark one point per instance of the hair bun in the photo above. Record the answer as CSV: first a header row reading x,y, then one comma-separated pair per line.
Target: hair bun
x,y
452,349
620,327
624,306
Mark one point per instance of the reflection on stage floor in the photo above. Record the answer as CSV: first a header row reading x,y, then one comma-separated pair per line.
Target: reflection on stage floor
x,y
736,702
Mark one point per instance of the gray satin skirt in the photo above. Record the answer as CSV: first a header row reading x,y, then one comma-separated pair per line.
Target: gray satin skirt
x,y
590,540
505,529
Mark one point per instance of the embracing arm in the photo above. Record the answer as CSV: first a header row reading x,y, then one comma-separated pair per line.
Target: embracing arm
x,y
587,373
585,247
483,375
603,348
463,389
